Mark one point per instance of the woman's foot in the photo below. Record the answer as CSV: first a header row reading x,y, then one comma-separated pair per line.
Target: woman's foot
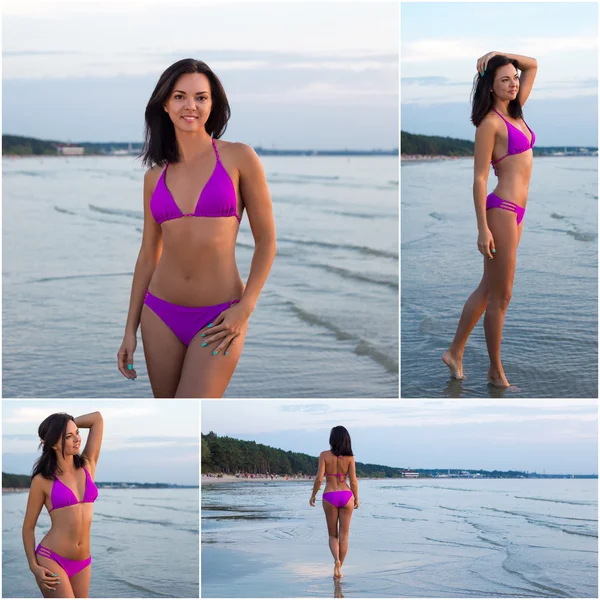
x,y
454,363
337,570
497,378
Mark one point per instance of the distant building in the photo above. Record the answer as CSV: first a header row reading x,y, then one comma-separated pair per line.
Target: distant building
x,y
410,474
71,150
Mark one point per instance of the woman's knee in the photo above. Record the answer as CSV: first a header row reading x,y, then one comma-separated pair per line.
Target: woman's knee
x,y
500,299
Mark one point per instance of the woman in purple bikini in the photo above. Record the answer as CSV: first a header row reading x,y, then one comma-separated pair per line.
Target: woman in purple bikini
x,y
63,482
187,292
339,500
505,141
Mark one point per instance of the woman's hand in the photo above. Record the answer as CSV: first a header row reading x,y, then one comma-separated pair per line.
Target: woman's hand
x,y
356,502
485,243
125,356
226,328
45,578
312,500
483,61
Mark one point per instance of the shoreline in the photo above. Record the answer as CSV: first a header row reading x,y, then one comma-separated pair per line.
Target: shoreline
x,y
427,157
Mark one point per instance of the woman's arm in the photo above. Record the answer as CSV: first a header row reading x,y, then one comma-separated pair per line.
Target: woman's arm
x,y
318,479
485,136
353,481
257,201
145,265
35,502
95,423
527,66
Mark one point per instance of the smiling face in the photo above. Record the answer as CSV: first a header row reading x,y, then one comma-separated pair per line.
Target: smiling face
x,y
506,83
190,102
72,441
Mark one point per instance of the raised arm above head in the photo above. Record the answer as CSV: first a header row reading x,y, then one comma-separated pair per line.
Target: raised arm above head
x,y
95,423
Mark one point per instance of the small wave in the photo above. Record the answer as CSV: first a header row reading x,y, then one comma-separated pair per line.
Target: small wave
x,y
575,502
582,236
361,349
342,213
347,274
147,592
437,216
557,216
64,210
91,276
135,214
360,249
387,362
407,506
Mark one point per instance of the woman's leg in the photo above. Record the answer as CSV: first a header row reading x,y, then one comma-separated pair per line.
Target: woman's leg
x,y
474,307
332,514
164,354
80,582
63,589
500,274
204,375
345,516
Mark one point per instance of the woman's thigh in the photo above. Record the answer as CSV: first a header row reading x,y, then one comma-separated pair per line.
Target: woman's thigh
x,y
207,376
81,582
499,272
331,515
63,589
164,354
345,516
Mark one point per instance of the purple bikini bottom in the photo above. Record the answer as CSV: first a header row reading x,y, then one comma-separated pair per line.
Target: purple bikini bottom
x,y
339,498
185,321
71,567
494,201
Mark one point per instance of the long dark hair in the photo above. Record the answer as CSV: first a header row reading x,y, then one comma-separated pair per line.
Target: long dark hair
x,y
481,95
50,431
160,144
339,440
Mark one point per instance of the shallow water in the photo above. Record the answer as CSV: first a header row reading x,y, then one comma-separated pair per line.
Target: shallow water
x,y
326,323
409,538
144,544
550,338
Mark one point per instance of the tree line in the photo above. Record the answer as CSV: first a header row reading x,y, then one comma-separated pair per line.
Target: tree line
x,y
411,143
223,454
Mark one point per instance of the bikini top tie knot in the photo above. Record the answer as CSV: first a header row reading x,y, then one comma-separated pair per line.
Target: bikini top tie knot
x,y
217,198
517,140
62,496
341,476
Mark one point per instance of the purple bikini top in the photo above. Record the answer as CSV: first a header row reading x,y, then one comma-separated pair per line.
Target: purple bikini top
x,y
217,198
517,140
62,496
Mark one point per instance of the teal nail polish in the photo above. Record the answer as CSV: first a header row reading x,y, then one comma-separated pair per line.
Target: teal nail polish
x,y
210,325
202,335
494,251
54,575
226,353
129,367
204,344
215,352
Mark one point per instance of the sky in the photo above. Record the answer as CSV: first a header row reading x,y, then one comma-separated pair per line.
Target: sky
x,y
297,74
554,435
440,45
146,441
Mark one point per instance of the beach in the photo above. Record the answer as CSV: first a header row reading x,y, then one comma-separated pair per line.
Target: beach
x,y
326,323
550,337
409,538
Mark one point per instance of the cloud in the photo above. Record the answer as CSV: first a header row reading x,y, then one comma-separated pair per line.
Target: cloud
x,y
429,50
